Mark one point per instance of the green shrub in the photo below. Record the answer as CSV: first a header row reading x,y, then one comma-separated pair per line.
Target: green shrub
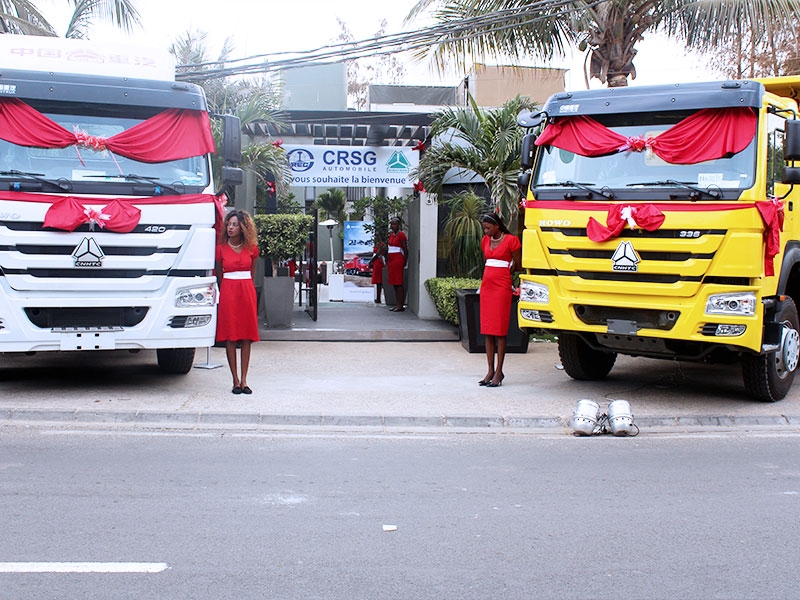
x,y
282,236
443,293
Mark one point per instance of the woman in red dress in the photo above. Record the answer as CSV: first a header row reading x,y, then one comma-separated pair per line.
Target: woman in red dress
x,y
376,264
503,253
396,262
237,313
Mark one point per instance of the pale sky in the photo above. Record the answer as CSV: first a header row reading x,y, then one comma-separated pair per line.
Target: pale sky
x,y
264,26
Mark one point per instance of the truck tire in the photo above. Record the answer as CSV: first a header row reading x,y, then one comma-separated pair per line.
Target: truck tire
x,y
769,377
175,361
582,362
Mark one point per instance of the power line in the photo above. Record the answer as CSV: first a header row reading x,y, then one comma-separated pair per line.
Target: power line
x,y
417,40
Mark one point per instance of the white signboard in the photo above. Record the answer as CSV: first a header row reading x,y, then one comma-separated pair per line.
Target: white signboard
x,y
62,55
351,166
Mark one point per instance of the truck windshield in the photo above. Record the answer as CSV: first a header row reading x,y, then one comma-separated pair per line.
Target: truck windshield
x,y
101,168
630,170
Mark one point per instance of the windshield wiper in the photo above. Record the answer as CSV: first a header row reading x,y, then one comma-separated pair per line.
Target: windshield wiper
x,y
716,194
62,184
609,195
154,181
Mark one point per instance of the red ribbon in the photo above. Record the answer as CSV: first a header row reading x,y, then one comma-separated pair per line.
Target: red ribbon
x,y
419,146
771,213
419,186
69,214
646,216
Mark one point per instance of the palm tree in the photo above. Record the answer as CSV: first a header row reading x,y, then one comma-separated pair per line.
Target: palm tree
x,y
484,142
332,203
607,30
23,17
463,233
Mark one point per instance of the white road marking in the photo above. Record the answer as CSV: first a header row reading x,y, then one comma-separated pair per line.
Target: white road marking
x,y
82,567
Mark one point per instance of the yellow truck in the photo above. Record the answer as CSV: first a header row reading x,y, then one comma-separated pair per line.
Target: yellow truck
x,y
660,222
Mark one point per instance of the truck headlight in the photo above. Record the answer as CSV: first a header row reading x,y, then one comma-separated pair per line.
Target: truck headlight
x,y
533,292
732,304
191,297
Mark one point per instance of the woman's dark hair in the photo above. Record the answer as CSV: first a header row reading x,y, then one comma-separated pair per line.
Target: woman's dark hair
x,y
495,220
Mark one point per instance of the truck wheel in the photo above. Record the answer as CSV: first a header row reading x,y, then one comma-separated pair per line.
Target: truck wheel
x,y
582,362
175,361
769,377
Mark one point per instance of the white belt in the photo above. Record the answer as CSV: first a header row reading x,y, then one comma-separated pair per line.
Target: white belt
x,y
493,262
237,275
395,249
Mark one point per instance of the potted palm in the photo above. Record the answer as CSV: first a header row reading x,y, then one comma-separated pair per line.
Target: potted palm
x,y
487,143
281,237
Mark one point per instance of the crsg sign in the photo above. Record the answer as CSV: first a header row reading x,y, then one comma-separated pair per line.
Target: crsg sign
x,y
348,166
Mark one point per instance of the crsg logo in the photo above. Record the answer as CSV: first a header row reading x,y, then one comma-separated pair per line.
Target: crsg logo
x,y
349,158
300,160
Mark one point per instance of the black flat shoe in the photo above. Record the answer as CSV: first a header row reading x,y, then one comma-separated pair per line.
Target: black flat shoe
x,y
246,390
237,390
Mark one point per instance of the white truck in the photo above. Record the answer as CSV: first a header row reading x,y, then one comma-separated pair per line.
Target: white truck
x,y
107,208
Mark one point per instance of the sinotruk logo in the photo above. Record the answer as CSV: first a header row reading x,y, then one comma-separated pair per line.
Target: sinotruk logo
x,y
88,254
398,163
625,258
300,160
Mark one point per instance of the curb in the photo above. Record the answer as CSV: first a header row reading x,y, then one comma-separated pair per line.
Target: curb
x,y
198,421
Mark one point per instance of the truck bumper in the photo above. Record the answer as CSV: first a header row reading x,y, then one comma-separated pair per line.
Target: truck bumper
x,y
646,316
150,321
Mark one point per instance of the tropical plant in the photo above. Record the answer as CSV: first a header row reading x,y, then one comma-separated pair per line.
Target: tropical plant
x,y
332,203
474,140
282,236
607,30
24,17
252,100
463,233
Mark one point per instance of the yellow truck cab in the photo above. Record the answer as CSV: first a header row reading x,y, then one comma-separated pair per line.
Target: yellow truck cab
x,y
660,222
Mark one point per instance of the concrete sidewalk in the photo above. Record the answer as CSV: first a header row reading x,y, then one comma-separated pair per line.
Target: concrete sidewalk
x,y
374,387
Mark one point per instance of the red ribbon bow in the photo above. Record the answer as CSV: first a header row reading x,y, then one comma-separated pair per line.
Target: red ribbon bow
x,y
94,142
646,216
278,143
419,186
637,144
420,146
69,214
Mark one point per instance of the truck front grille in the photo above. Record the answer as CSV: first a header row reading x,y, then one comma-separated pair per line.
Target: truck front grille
x,y
112,316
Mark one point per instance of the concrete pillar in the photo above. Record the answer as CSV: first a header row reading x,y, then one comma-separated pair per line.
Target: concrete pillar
x,y
427,239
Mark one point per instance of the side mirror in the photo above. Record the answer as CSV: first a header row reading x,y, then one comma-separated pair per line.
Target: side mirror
x,y
528,150
791,176
232,175
791,141
528,119
231,140
524,183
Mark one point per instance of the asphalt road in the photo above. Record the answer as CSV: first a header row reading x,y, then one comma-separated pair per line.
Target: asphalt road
x,y
207,516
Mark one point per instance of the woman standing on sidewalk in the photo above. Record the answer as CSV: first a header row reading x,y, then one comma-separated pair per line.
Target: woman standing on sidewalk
x,y
396,262
237,313
503,253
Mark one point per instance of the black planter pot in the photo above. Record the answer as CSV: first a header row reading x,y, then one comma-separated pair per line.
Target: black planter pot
x,y
469,325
